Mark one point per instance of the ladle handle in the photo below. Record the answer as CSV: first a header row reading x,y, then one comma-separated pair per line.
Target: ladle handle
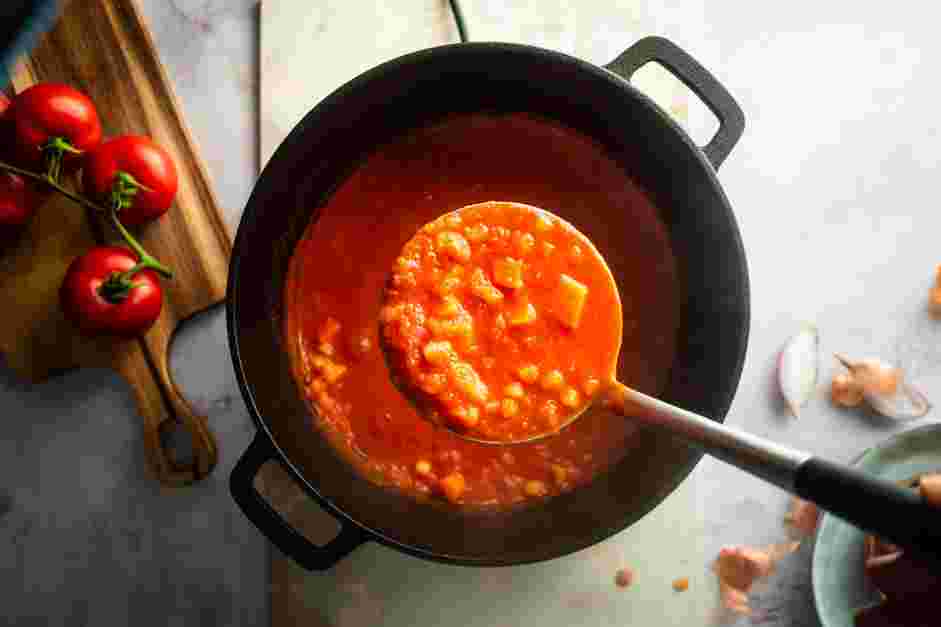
x,y
882,507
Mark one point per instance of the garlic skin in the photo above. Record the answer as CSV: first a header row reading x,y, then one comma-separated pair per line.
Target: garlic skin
x,y
797,368
885,389
738,568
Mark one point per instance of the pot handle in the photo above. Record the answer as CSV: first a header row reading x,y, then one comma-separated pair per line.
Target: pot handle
x,y
698,79
278,531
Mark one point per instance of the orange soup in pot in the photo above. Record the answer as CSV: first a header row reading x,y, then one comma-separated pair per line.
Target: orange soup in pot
x,y
343,263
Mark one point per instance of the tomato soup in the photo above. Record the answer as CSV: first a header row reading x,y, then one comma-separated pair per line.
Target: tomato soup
x,y
334,297
502,321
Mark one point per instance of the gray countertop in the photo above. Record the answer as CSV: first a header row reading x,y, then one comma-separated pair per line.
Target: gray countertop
x,y
833,186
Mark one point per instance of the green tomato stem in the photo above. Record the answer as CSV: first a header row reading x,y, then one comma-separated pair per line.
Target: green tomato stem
x,y
115,288
124,189
54,152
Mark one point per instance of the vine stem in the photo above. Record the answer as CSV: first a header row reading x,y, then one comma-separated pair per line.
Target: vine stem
x,y
54,185
145,259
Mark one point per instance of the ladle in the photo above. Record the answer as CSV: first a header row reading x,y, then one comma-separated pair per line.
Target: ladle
x,y
876,505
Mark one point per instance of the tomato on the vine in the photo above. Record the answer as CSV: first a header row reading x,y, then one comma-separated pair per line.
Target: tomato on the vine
x,y
53,125
133,175
106,291
19,198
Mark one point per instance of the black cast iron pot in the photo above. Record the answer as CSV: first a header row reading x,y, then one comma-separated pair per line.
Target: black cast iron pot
x,y
407,93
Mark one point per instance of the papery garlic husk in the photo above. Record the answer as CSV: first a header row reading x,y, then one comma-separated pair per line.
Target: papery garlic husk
x,y
885,389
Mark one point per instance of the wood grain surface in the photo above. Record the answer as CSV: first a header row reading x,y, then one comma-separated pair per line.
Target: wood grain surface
x,y
103,47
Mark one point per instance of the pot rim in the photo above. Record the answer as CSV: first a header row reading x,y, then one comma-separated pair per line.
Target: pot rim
x,y
251,213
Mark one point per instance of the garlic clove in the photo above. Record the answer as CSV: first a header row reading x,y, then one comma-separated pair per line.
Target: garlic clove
x,y
797,368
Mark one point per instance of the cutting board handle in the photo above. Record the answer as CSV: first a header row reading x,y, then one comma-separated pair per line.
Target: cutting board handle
x,y
164,410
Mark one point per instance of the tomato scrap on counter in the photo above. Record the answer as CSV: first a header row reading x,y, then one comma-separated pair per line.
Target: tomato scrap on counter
x,y
486,319
340,268
624,578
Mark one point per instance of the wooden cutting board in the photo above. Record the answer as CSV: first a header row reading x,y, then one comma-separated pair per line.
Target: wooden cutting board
x,y
103,47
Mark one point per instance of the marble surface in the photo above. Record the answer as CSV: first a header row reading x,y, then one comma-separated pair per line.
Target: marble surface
x,y
832,185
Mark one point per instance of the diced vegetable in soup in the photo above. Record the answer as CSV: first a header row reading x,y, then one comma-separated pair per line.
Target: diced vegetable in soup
x,y
521,313
514,301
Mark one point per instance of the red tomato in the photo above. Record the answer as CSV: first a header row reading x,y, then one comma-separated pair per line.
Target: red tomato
x,y
134,171
19,197
52,125
4,124
91,294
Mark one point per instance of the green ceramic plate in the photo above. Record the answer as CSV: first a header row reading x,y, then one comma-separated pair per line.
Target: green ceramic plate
x,y
838,580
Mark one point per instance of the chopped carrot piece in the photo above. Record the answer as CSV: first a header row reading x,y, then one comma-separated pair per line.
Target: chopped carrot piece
x,y
535,488
453,486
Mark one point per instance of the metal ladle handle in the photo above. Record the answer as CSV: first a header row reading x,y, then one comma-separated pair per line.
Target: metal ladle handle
x,y
875,505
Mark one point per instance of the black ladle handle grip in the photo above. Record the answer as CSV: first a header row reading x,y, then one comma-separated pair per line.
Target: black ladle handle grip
x,y
882,507
288,540
879,506
698,79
